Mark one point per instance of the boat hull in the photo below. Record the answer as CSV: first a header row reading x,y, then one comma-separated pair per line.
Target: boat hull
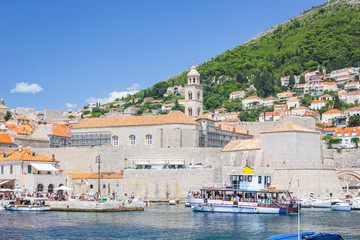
x,y
341,207
28,208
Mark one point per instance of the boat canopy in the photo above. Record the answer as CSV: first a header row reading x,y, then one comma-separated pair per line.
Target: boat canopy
x,y
44,167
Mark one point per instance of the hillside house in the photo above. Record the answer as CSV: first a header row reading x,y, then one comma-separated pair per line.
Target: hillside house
x,y
299,111
269,101
292,103
252,102
237,95
279,107
328,116
167,107
318,104
352,86
326,97
353,97
284,95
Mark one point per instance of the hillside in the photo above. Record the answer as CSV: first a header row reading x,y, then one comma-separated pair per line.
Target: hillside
x,y
327,36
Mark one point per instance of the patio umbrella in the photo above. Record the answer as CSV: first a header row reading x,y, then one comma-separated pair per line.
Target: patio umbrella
x,y
63,188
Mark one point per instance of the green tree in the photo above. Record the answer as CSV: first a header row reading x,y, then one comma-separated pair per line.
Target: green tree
x,y
86,107
302,79
7,116
356,141
177,106
291,81
354,121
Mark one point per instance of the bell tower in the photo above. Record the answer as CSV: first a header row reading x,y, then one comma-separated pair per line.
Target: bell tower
x,y
193,94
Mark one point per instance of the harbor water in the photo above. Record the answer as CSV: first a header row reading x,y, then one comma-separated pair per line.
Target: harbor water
x,y
171,222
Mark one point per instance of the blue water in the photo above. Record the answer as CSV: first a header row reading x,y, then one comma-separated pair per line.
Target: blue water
x,y
171,222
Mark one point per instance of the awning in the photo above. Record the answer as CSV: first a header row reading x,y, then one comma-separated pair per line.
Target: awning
x,y
1,183
43,166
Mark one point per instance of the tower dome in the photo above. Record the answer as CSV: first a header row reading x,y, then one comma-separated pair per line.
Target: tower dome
x,y
193,72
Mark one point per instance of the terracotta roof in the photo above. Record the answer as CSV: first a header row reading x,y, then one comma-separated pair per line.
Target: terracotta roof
x,y
293,100
354,93
242,145
350,83
350,130
319,101
230,120
328,83
277,113
61,130
24,155
221,109
271,98
252,97
357,108
301,108
310,113
5,138
173,117
301,85
230,128
204,116
93,175
3,107
343,93
332,111
289,127
326,95
237,92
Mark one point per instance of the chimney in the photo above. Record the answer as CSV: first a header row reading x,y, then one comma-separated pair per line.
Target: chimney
x,y
247,132
53,157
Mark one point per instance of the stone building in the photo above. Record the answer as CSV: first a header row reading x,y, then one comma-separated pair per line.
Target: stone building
x,y
30,171
193,94
3,108
174,129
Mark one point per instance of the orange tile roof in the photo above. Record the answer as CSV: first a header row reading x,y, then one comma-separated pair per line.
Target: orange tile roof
x,y
343,93
271,98
354,93
204,116
300,108
357,108
326,95
319,101
237,92
349,83
229,128
271,114
61,130
289,127
328,83
350,131
173,117
24,155
310,113
5,138
253,97
221,109
230,120
332,111
93,175
301,85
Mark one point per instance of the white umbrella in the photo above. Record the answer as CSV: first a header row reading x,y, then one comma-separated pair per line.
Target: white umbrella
x,y
63,188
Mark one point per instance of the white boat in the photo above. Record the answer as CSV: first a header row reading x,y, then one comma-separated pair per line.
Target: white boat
x,y
28,204
355,204
246,193
315,203
341,207
172,202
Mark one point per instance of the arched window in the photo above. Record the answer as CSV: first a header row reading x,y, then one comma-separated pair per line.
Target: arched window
x,y
190,95
149,139
51,188
190,111
40,187
193,80
198,95
132,140
198,111
115,141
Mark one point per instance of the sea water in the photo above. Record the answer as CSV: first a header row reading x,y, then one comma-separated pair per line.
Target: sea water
x,y
172,222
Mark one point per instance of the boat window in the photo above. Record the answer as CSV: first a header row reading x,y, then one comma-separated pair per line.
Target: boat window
x,y
237,178
91,186
250,178
259,179
245,178
241,178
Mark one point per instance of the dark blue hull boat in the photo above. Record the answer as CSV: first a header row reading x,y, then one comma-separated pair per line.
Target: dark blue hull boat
x,y
306,235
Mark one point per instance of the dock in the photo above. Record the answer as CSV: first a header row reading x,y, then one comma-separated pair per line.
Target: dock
x,y
93,206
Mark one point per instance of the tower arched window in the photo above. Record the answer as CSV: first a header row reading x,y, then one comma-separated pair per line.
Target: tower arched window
x,y
198,111
198,95
190,111
190,95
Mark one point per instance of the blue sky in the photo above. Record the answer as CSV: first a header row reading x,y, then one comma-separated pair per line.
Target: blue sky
x,y
65,54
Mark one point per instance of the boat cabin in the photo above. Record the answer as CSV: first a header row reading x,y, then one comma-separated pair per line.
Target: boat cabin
x,y
249,182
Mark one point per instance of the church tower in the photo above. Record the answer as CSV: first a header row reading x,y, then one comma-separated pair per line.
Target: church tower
x,y
193,94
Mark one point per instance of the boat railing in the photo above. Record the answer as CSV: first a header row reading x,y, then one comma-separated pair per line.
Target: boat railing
x,y
215,185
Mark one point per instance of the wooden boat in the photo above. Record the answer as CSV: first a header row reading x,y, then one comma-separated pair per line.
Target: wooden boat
x,y
28,204
246,193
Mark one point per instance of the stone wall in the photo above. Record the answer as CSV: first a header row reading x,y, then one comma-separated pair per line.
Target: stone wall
x,y
31,142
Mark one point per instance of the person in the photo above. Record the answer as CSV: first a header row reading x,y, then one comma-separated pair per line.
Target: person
x,y
113,196
132,195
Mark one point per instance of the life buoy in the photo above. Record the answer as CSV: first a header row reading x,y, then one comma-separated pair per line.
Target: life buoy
x,y
211,207
200,206
256,210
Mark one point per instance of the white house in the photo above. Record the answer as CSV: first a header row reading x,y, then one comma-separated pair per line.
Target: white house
x,y
328,116
270,116
299,111
326,97
318,104
284,95
269,101
353,97
237,94
252,102
352,85
167,107
346,134
292,103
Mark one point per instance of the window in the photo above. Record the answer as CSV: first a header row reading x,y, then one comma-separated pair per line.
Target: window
x,y
115,141
29,169
11,169
104,186
117,186
190,111
132,140
259,179
40,187
241,178
2,169
250,178
83,141
98,141
190,95
91,186
149,139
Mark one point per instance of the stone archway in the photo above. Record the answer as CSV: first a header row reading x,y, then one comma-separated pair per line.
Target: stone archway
x,y
40,187
51,188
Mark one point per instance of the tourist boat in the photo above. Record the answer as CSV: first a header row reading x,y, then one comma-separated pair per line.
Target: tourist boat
x,y
341,207
28,204
246,193
306,235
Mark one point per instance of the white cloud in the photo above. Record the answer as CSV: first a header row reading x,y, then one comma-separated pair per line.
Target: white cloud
x,y
112,96
135,86
71,105
24,87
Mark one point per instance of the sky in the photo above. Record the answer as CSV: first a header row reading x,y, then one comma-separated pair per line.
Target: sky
x,y
64,54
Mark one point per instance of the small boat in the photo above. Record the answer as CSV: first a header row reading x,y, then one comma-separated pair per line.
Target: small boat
x,y
172,202
245,193
315,203
187,204
28,204
355,204
306,235
2,205
341,207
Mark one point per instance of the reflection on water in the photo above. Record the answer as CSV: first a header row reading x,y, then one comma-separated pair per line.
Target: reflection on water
x,y
171,222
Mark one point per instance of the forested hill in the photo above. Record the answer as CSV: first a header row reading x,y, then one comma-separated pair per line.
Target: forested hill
x,y
328,36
